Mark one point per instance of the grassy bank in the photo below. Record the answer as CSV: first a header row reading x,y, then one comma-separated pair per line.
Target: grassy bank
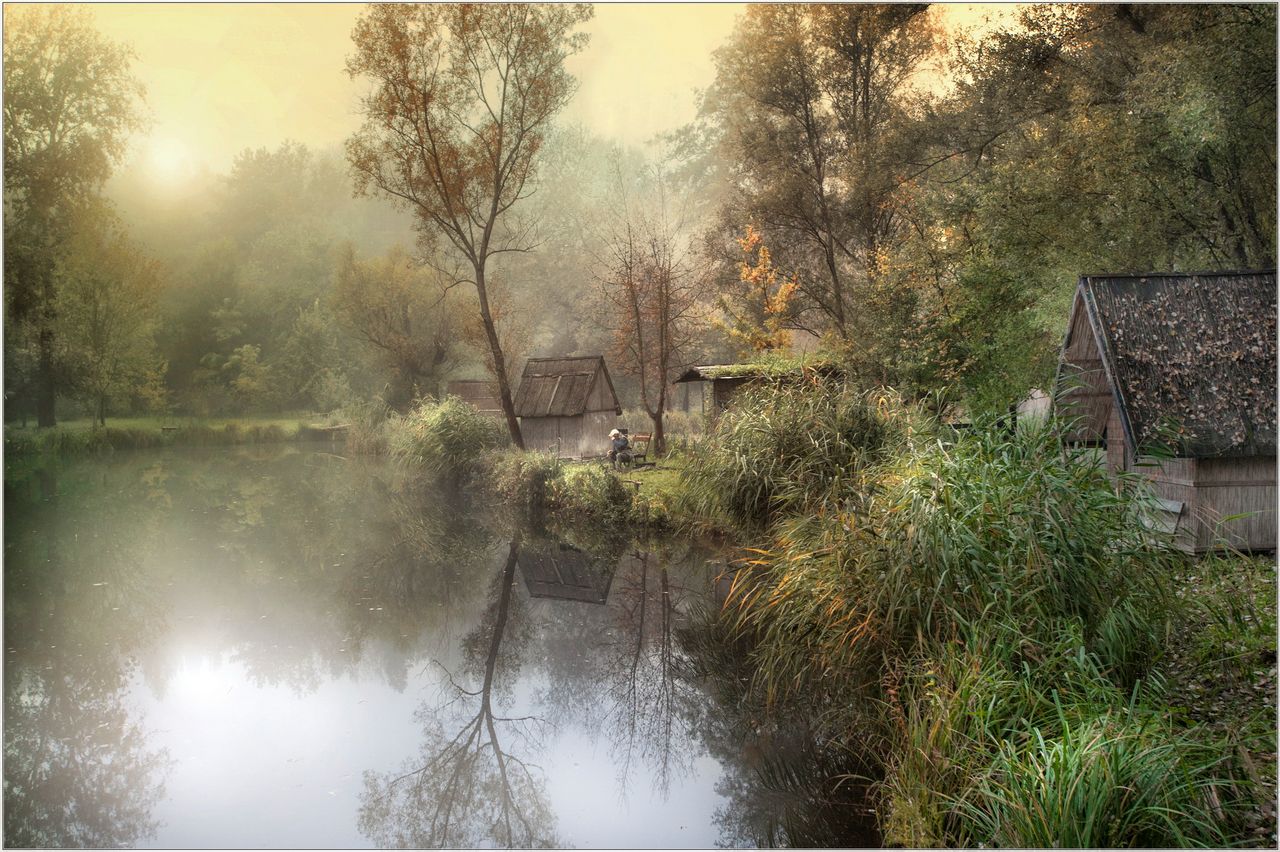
x,y
983,625
80,437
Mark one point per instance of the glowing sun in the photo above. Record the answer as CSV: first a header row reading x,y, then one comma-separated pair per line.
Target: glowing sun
x,y
167,159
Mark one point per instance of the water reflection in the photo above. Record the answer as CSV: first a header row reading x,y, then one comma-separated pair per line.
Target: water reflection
x,y
78,770
273,647
466,788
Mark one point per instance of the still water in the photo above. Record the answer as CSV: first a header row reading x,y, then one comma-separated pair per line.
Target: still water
x,y
280,647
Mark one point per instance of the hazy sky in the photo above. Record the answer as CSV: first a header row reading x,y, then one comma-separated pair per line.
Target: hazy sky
x,y
224,77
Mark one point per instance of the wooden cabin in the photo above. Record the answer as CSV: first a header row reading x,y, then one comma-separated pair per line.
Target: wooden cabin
x,y
1186,362
726,380
561,571
567,405
480,395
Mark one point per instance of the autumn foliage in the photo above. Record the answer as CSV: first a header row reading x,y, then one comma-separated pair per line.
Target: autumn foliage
x,y
758,309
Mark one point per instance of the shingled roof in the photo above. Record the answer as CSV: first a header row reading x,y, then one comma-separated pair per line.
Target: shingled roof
x,y
561,387
1191,353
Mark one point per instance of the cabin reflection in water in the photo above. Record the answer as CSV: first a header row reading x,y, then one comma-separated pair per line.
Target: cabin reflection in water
x,y
554,569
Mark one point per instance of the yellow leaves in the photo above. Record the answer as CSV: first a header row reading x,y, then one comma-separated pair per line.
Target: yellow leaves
x,y
759,312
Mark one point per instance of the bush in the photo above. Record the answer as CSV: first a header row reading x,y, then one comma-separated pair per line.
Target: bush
x,y
367,427
445,438
593,493
1005,531
539,485
520,479
786,447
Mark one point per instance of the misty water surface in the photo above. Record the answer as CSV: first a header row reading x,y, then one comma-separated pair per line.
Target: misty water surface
x,y
284,648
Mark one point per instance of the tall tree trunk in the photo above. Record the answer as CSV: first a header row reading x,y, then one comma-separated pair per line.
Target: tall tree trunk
x,y
102,410
659,433
499,362
45,382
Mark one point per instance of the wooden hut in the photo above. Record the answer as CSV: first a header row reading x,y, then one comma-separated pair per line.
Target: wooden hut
x,y
726,380
1186,362
480,395
567,405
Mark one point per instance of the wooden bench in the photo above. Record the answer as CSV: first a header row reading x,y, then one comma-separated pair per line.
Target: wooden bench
x,y
637,455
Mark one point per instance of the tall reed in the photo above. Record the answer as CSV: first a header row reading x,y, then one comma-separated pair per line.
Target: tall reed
x,y
786,446
446,438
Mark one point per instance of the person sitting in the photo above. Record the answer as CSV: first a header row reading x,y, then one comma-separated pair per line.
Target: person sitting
x,y
617,443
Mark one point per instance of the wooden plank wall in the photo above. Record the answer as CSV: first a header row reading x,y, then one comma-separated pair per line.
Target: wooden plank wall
x,y
584,436
1214,489
1226,487
1088,401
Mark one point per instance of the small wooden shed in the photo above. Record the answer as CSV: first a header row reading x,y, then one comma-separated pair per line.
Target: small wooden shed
x,y
480,395
727,380
567,405
1186,362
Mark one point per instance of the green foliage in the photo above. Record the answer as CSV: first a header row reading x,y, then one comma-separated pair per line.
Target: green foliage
x,y
367,427
1117,780
592,493
541,487
520,479
979,616
786,446
445,438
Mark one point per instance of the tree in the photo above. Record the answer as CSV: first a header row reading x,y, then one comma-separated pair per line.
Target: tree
x,y
651,290
462,98
402,312
107,313
758,309
70,102
817,110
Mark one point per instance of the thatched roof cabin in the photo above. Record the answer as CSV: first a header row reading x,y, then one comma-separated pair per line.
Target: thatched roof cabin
x,y
567,405
726,380
1186,362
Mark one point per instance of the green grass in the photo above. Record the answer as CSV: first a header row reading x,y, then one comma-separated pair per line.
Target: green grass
x,y
78,437
287,424
445,438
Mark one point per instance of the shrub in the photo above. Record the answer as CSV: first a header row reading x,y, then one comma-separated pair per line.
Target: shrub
x,y
591,492
367,426
786,447
1006,531
445,438
520,479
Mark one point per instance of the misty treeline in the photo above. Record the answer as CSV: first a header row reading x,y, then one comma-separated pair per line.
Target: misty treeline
x,y
914,202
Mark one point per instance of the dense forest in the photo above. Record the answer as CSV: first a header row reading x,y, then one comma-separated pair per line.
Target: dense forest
x,y
917,202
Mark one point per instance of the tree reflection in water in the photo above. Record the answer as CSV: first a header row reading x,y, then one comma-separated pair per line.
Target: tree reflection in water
x,y
77,770
643,688
780,788
466,789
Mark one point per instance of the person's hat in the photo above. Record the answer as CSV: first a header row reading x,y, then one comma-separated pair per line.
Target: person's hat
x,y
615,433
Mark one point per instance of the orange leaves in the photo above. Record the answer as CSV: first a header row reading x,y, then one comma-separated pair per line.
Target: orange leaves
x,y
759,312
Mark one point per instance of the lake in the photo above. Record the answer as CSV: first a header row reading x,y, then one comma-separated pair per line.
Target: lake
x,y
282,647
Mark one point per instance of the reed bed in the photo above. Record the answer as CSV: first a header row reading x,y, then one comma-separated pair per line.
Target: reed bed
x,y
975,616
445,438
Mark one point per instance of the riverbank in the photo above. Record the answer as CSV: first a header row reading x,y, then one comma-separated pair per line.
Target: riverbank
x,y
980,624
80,437
983,624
